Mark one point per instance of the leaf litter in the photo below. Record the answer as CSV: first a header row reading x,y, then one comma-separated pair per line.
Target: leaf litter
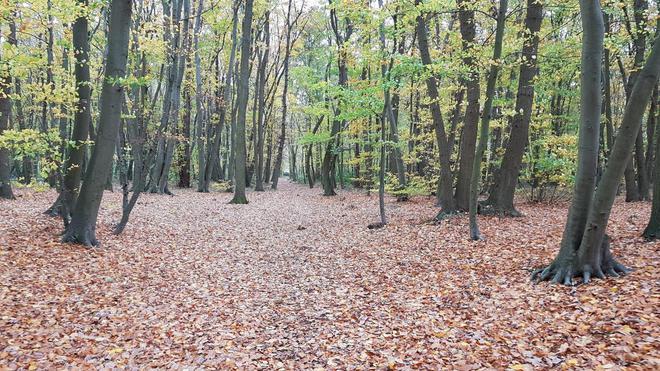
x,y
296,280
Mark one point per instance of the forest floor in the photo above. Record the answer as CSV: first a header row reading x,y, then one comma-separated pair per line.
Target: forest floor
x,y
296,280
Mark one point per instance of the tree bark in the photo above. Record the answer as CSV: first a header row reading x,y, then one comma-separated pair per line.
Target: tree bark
x,y
241,106
504,187
82,228
199,105
5,111
471,119
485,119
445,185
652,231
585,247
82,117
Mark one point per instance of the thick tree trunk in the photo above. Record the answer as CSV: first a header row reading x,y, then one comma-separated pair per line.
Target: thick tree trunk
x,y
585,247
471,119
241,104
82,228
82,118
504,188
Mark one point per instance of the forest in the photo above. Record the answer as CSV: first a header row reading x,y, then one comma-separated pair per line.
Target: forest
x,y
336,184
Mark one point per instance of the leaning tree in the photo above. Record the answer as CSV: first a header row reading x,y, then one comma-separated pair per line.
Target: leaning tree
x,y
82,228
585,249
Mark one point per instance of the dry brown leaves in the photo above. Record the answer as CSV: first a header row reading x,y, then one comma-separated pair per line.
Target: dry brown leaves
x,y
296,280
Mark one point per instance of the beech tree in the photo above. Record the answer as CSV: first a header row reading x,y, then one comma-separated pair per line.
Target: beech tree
x,y
82,228
585,249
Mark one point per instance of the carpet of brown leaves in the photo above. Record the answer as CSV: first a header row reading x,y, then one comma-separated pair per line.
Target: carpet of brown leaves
x,y
296,280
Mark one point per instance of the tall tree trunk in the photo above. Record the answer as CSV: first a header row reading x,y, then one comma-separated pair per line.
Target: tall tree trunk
x,y
330,157
585,247
82,228
471,119
261,88
82,117
652,231
5,111
241,106
213,156
184,160
26,166
199,106
504,188
171,16
445,186
485,119
180,54
285,92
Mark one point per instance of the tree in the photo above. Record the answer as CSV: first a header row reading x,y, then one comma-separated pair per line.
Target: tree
x,y
5,111
82,228
445,182
503,188
485,118
470,121
585,249
199,105
652,231
241,106
82,118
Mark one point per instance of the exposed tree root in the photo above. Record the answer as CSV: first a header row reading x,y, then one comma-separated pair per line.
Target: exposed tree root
x,y
55,209
445,214
490,209
86,238
562,271
377,225
239,200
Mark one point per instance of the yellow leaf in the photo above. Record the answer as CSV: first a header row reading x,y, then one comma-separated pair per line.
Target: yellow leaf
x,y
520,367
116,351
626,330
571,362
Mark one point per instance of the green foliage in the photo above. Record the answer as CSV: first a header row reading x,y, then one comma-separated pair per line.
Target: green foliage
x,y
34,144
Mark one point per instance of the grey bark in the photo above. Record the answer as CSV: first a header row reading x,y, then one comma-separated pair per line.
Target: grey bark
x,y
241,106
485,119
82,228
445,186
504,187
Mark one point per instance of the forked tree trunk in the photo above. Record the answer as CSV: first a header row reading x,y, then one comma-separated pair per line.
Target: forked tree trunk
x,y
241,103
199,105
82,228
585,249
503,190
471,119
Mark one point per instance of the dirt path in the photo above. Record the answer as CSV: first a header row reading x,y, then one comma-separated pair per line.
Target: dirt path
x,y
296,280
